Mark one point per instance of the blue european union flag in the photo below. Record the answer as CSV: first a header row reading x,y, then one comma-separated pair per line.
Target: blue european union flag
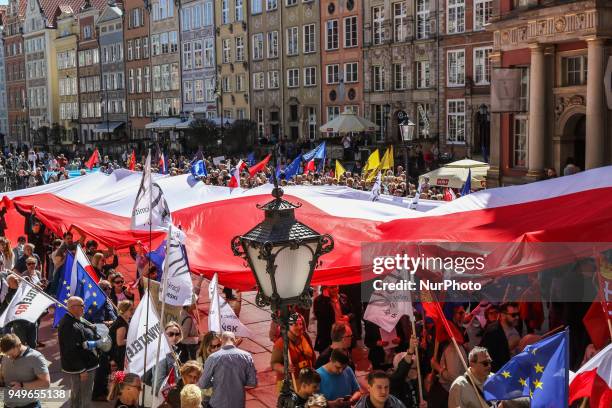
x,y
467,187
294,168
540,372
77,282
198,169
157,258
251,159
316,153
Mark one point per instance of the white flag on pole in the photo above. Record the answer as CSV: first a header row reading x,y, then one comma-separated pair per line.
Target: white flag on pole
x,y
422,186
28,304
178,290
221,316
386,307
376,187
150,207
138,336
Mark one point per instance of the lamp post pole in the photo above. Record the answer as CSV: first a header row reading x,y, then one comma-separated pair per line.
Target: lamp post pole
x,y
278,233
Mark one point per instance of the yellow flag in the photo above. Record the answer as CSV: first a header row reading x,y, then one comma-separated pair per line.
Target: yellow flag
x,y
339,170
373,162
387,160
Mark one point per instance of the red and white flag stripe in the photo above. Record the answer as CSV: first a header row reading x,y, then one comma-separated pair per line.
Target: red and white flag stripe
x,y
594,380
567,209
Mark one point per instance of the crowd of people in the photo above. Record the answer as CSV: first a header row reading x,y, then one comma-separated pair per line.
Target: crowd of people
x,y
30,169
211,368
413,368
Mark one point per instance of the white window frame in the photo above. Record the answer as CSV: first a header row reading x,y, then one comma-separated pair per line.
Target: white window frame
x,y
520,121
331,32
333,74
293,41
455,77
423,74
225,12
238,14
226,50
403,78
293,78
378,71
486,66
239,44
455,10
354,77
258,81
483,9
423,27
460,120
258,39
351,38
378,25
400,21
309,39
273,79
310,72
272,44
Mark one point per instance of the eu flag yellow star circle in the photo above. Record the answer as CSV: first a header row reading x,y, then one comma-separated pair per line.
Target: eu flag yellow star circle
x,y
506,374
539,368
522,381
537,384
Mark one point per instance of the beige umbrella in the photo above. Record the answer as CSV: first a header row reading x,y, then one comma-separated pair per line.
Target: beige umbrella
x,y
455,174
348,122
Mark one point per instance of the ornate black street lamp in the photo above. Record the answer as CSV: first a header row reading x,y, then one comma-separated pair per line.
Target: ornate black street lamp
x,y
282,253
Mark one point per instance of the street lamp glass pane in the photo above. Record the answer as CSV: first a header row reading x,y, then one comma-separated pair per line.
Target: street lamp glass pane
x,y
293,268
259,265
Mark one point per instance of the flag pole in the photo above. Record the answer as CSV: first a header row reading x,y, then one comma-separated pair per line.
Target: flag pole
x,y
39,289
42,292
163,305
150,188
416,355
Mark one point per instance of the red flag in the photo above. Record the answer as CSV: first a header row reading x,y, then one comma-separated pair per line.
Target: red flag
x,y
170,383
95,158
235,180
132,161
449,194
310,167
596,325
594,380
259,166
443,329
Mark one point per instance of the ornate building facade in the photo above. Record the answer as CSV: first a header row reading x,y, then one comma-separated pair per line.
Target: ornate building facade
x,y
198,57
112,59
67,74
14,64
551,89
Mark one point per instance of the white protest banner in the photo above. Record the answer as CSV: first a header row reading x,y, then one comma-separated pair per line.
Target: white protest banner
x,y
386,307
140,334
28,304
221,316
178,289
150,207
217,160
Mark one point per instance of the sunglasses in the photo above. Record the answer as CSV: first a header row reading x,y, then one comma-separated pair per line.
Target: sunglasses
x,y
118,282
485,363
215,346
31,263
173,334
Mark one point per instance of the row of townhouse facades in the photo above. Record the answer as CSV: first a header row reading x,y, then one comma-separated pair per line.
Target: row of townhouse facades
x,y
84,73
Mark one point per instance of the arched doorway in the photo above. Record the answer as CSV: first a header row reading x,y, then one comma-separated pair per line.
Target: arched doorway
x,y
574,139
